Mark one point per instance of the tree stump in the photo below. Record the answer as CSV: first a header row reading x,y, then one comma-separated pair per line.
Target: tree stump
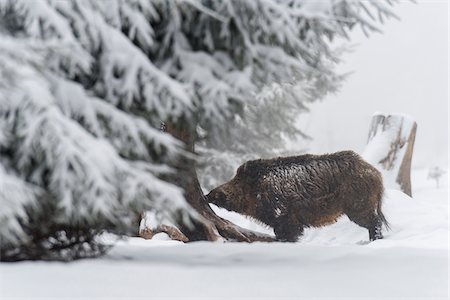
x,y
390,147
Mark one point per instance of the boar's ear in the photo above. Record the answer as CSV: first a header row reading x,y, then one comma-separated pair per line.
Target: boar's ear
x,y
249,170
241,169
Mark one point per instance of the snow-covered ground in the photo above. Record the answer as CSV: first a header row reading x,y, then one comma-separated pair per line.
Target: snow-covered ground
x,y
330,262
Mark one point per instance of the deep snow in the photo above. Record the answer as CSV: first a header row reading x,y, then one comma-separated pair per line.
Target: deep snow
x,y
333,262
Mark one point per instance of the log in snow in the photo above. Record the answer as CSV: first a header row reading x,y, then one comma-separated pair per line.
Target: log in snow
x,y
390,148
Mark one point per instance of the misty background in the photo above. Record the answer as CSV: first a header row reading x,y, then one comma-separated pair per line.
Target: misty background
x,y
403,70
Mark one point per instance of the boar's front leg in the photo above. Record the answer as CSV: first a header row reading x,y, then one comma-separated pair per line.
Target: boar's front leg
x,y
286,230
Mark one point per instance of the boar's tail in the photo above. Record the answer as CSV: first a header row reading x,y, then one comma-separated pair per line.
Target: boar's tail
x,y
381,215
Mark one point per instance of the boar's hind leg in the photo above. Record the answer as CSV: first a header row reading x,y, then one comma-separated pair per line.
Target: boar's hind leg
x,y
369,220
375,230
286,231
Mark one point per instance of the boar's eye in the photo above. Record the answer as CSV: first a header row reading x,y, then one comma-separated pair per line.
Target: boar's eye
x,y
217,197
220,196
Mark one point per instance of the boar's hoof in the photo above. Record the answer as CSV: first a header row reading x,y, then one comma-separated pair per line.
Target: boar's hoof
x,y
375,234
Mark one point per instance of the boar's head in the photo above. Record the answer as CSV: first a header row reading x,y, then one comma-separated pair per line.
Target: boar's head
x,y
232,196
238,194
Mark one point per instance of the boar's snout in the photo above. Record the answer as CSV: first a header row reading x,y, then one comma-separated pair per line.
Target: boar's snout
x,y
218,197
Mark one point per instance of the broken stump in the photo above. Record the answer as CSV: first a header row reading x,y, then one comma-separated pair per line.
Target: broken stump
x,y
390,147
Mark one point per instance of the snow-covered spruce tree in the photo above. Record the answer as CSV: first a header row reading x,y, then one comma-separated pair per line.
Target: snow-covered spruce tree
x,y
84,85
79,149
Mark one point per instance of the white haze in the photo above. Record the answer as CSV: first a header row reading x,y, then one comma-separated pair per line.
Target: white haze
x,y
403,70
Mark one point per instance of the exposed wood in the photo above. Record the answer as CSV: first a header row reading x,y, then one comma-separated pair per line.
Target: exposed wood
x,y
393,136
173,232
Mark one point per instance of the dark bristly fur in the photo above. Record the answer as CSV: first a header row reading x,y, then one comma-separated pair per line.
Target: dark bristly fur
x,y
290,193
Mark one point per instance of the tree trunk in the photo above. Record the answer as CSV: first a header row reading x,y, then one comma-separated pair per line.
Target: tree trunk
x,y
390,148
209,226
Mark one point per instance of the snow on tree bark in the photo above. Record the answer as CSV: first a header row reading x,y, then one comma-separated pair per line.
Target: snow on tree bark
x,y
390,148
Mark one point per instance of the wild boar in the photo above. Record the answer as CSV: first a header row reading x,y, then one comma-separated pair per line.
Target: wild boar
x,y
291,193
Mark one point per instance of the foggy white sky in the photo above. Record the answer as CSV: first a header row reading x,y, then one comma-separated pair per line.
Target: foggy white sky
x,y
403,70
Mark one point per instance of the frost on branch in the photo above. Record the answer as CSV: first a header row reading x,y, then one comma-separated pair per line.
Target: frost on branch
x,y
289,63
